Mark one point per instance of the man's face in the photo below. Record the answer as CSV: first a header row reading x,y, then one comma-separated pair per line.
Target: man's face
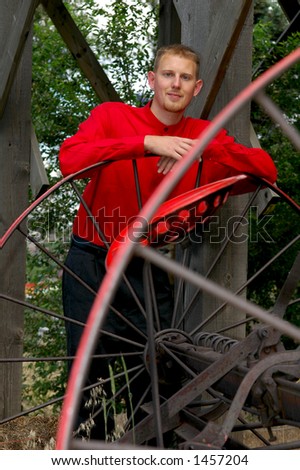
x,y
174,83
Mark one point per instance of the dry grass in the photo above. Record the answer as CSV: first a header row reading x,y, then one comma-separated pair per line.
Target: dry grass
x,y
39,433
282,434
29,433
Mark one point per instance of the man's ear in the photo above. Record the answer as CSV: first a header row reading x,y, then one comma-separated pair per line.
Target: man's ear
x,y
198,86
151,79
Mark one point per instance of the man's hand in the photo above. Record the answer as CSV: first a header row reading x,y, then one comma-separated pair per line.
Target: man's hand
x,y
170,148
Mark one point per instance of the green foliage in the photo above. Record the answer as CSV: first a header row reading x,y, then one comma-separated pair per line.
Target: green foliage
x,y
61,98
44,334
59,90
269,12
125,45
284,91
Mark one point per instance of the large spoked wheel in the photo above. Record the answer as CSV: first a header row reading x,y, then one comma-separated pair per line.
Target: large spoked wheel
x,y
191,373
187,377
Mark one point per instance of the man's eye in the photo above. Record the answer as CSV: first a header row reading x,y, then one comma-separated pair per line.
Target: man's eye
x,y
186,77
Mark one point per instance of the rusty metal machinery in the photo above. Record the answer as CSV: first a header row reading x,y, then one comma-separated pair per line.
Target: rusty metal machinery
x,y
203,387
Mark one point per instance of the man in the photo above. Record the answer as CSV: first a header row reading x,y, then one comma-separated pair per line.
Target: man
x,y
155,137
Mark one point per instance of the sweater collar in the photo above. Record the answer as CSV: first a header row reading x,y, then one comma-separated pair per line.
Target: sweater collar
x,y
158,124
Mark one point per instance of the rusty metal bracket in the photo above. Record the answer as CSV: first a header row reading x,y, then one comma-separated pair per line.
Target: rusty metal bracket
x,y
172,407
218,434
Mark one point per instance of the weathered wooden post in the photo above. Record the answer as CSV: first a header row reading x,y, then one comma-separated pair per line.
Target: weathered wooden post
x,y
221,32
15,149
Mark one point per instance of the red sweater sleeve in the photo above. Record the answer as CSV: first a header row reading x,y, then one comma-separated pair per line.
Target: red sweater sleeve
x,y
95,142
224,152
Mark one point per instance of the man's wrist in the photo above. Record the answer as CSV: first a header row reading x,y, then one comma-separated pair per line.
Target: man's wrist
x,y
147,146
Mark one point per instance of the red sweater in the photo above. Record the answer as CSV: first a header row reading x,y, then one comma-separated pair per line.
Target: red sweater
x,y
115,132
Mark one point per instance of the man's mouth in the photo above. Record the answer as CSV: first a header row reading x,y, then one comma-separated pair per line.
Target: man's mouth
x,y
174,96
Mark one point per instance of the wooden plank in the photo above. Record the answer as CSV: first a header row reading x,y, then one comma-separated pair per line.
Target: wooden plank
x,y
234,21
225,28
169,25
12,44
14,180
190,13
231,272
209,30
80,50
290,8
293,26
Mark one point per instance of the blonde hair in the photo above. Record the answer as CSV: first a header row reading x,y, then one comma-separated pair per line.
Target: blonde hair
x,y
180,50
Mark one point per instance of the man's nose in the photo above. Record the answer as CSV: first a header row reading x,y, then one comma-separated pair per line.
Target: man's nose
x,y
176,81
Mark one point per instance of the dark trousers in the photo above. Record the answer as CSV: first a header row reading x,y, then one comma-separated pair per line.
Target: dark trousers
x,y
88,262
